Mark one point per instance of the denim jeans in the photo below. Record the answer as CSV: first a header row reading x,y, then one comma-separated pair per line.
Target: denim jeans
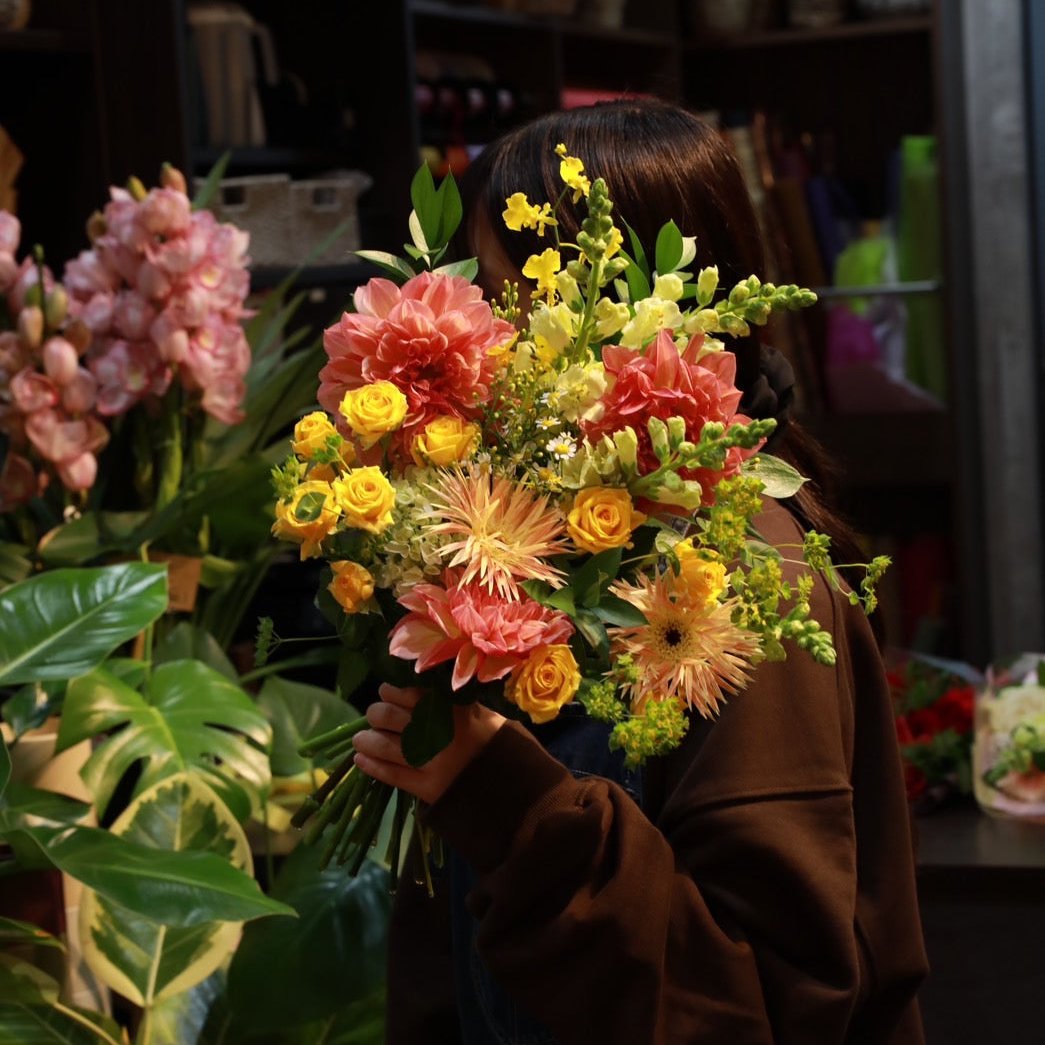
x,y
489,1016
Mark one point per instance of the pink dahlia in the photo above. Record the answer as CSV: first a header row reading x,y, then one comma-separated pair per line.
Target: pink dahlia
x,y
431,338
485,635
665,383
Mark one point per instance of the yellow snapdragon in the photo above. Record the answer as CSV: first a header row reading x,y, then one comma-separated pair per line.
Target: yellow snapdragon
x,y
651,315
520,214
543,268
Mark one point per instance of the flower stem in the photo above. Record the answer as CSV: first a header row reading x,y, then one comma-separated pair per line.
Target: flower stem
x,y
324,740
170,452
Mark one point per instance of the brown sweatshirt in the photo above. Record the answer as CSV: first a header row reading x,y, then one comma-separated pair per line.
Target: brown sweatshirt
x,y
763,894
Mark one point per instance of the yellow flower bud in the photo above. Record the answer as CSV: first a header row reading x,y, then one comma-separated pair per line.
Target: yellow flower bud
x,y
707,284
374,410
445,441
309,516
544,682
31,326
366,499
172,178
56,307
352,585
602,517
96,226
311,434
137,190
668,287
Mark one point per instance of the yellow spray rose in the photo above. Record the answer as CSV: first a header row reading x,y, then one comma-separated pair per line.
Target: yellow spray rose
x,y
704,579
311,434
352,585
366,499
374,410
309,516
544,682
602,517
445,440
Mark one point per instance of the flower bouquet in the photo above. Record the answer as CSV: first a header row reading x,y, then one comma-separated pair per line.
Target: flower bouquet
x,y
534,509
934,702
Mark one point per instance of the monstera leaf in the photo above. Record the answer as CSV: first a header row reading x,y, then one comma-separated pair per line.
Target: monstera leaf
x,y
137,957
63,623
31,1014
188,717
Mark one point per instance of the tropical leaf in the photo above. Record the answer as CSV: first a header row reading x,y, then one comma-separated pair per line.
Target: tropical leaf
x,y
297,712
180,1019
333,956
186,642
189,717
136,956
175,888
32,705
14,931
14,563
63,623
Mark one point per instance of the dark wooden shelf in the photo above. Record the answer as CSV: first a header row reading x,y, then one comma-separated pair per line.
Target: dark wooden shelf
x,y
266,159
44,41
493,17
959,837
869,30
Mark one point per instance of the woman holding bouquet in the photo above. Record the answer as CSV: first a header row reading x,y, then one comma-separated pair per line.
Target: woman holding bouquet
x,y
756,884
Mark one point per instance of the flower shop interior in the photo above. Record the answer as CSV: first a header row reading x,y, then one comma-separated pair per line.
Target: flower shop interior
x,y
895,154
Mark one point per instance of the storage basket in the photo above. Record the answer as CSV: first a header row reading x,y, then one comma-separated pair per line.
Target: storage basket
x,y
258,204
317,207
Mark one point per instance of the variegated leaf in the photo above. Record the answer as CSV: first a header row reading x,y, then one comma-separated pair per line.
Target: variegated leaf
x,y
139,958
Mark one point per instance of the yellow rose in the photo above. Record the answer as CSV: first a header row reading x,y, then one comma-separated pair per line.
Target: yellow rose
x,y
366,498
352,585
311,434
309,516
374,410
545,681
445,440
602,517
704,579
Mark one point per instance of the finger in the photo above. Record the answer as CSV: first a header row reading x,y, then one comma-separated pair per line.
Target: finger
x,y
405,698
392,773
376,743
390,717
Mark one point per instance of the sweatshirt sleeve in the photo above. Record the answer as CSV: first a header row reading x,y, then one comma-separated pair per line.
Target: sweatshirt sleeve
x,y
731,920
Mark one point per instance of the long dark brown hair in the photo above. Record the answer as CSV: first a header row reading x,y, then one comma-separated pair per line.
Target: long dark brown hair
x,y
659,162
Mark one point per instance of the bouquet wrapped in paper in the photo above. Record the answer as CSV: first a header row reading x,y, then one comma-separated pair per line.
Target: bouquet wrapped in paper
x,y
532,509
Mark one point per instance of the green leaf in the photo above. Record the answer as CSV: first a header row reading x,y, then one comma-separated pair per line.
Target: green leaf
x,y
180,1019
638,255
136,956
74,543
65,622
779,478
450,212
617,611
14,931
32,705
668,250
431,728
297,712
187,642
5,766
175,888
561,599
469,269
638,281
333,956
594,633
205,193
420,248
44,1023
14,563
352,670
189,718
397,268
592,579
427,208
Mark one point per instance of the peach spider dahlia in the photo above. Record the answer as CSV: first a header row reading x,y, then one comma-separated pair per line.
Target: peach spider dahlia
x,y
500,532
